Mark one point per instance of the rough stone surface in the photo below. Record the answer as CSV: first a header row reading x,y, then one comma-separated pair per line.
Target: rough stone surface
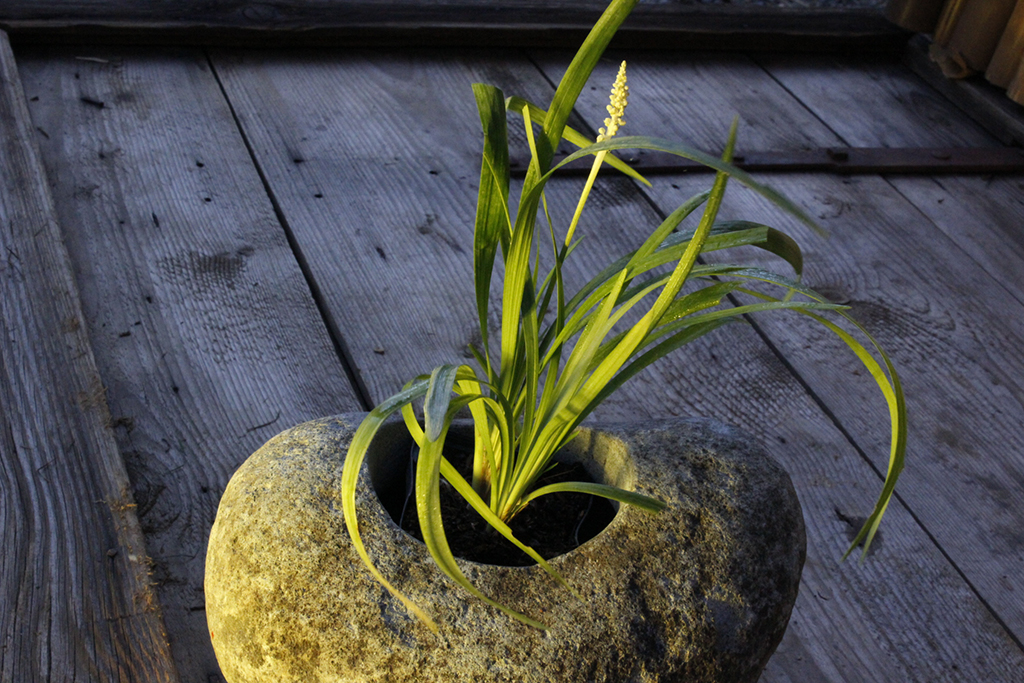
x,y
700,592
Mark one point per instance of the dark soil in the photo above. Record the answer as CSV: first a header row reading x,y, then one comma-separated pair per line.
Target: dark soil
x,y
552,525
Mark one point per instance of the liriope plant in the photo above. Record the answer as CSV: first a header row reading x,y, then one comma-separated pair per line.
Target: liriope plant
x,y
560,357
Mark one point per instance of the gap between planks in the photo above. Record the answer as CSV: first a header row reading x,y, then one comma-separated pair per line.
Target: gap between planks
x,y
337,338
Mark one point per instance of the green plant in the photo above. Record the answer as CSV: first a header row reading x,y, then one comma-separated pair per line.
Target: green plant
x,y
560,358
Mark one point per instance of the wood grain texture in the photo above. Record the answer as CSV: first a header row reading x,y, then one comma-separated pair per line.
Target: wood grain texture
x,y
952,330
983,215
396,171
448,22
205,332
76,596
978,221
880,103
985,103
379,211
299,14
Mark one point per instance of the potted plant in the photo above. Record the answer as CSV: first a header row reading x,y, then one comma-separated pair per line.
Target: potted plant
x,y
557,358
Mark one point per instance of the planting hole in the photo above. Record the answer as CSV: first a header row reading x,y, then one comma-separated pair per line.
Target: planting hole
x,y
551,525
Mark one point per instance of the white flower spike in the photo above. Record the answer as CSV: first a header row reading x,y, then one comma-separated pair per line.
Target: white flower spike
x,y
618,100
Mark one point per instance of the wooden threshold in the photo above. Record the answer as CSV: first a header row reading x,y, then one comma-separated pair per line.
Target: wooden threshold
x,y
469,23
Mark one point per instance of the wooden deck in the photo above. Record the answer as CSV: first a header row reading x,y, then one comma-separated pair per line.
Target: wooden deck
x,y
200,248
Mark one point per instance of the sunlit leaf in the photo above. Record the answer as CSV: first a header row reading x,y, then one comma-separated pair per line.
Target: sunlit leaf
x,y
638,500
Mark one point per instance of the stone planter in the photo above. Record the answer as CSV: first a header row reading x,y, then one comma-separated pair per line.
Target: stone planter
x,y
700,592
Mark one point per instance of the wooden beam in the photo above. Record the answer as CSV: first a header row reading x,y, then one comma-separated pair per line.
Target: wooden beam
x,y
840,160
447,23
76,598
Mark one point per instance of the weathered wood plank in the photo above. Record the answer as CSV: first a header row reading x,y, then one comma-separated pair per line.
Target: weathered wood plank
x,y
450,22
982,215
976,97
76,599
951,328
380,215
205,332
898,109
389,159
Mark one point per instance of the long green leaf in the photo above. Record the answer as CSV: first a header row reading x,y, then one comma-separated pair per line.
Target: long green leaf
x,y
582,65
477,503
492,226
670,223
625,349
888,382
586,346
635,294
737,311
702,299
773,241
484,461
572,377
518,104
517,273
892,390
748,273
645,503
687,152
557,428
532,362
428,506
574,395
661,350
439,396
566,94
723,235
350,477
